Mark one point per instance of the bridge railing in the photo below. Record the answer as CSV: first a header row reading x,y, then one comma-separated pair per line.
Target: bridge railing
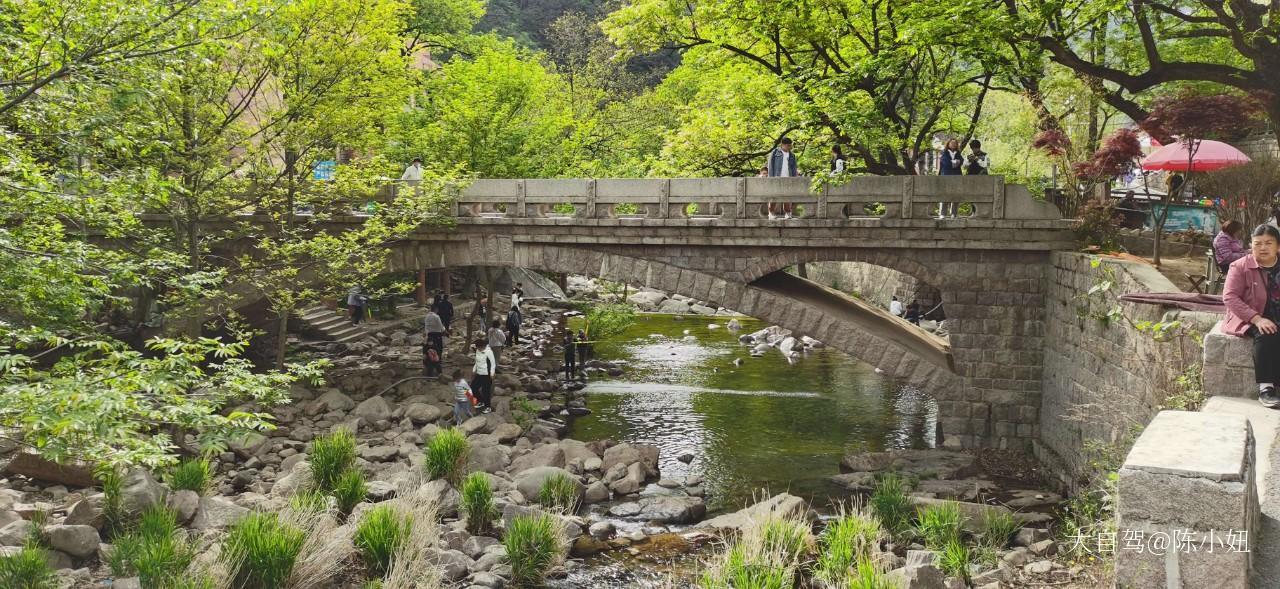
x,y
870,197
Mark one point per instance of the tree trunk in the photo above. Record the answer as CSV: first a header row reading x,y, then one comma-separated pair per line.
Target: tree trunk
x,y
282,337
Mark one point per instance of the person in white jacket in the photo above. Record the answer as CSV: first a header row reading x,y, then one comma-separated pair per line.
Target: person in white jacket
x,y
482,374
413,174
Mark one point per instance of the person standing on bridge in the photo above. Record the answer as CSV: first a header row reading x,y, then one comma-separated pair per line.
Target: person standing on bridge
x,y
1252,298
837,160
978,161
482,374
950,163
782,164
412,175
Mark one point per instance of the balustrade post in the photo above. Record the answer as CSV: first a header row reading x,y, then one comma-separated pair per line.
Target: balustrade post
x,y
589,209
521,211
821,206
908,195
664,200
739,199
997,198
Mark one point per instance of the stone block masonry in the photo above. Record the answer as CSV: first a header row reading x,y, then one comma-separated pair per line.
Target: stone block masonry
x,y
1102,381
1188,508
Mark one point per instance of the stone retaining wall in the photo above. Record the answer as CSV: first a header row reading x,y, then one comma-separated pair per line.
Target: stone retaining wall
x,y
1103,381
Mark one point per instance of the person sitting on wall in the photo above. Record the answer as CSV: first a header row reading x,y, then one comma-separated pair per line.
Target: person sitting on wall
x,y
1252,298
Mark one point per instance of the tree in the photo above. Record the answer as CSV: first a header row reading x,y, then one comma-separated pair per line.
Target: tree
x,y
860,78
1244,193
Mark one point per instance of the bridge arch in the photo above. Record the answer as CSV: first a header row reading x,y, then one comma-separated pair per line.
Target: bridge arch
x,y
894,359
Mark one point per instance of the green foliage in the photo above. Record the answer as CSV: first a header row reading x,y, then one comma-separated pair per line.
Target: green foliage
x,y
891,505
446,455
939,524
379,536
523,411
997,527
191,475
350,490
626,208
477,503
309,501
768,554
954,559
849,540
559,493
1098,226
534,544
27,569
868,576
331,457
1188,390
156,550
113,514
608,320
787,537
262,550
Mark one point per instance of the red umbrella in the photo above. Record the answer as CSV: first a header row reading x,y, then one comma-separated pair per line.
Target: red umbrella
x,y
1209,156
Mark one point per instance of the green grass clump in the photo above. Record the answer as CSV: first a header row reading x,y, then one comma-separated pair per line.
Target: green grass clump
x,y
331,457
446,455
350,490
477,503
768,555
27,569
534,544
891,505
156,550
869,576
954,559
847,541
939,524
262,551
379,536
191,475
787,537
309,502
113,515
559,493
997,527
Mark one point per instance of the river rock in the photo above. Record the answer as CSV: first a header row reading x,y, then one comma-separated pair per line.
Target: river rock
x,y
858,482
184,504
625,453
140,491
374,409
529,482
299,476
475,425
924,464
575,451
445,497
918,577
601,530
674,306
85,512
702,310
334,400
453,564
662,509
782,505
1029,536
216,513
490,459
596,493
584,546
507,433
631,481
78,541
474,546
545,455
647,300
422,413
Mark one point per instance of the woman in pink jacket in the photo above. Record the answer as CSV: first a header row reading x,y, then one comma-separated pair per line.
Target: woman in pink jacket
x,y
1252,297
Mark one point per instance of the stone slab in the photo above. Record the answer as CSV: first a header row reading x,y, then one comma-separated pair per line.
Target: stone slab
x,y
1265,424
1202,445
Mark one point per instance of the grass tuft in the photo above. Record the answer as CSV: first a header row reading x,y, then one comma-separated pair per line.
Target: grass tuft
x,y
848,540
868,575
156,550
477,503
262,550
939,524
768,555
446,456
379,537
535,544
997,528
27,569
331,457
113,514
191,475
309,502
559,493
349,491
891,505
954,559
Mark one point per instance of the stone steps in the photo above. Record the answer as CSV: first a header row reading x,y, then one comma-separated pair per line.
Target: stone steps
x,y
335,326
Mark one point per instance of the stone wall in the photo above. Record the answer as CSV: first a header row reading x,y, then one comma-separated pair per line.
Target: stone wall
x,y
875,284
1104,381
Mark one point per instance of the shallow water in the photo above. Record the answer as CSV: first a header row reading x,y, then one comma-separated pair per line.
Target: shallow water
x,y
764,424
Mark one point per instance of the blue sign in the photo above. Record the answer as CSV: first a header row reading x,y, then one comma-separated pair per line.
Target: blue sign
x,y
1183,217
323,170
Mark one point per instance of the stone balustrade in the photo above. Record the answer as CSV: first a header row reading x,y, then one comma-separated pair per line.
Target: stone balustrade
x,y
865,197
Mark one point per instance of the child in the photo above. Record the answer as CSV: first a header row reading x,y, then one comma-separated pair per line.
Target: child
x,y
462,398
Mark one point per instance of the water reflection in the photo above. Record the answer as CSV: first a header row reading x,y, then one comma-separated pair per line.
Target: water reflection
x,y
765,423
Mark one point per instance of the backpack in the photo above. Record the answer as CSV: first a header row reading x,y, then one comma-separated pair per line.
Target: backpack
x,y
432,355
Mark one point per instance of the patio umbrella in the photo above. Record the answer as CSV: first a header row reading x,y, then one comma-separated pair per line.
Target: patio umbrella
x,y
1210,156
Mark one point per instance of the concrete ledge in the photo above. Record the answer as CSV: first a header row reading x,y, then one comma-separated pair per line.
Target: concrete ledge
x,y
1228,365
1189,481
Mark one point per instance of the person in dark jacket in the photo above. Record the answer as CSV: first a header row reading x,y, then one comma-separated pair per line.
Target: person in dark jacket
x,y
913,313
978,161
950,160
514,321
782,164
445,309
570,356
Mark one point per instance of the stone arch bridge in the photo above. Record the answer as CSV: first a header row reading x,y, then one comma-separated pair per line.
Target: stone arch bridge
x,y
708,239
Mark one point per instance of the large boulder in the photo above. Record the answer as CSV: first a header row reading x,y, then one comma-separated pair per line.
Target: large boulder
x,y
374,409
631,482
15,533
783,505
445,497
575,451
299,476
184,504
216,513
674,306
140,491
626,454
85,512
335,401
491,459
647,300
664,509
422,413
923,464
918,577
529,482
545,455
78,541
